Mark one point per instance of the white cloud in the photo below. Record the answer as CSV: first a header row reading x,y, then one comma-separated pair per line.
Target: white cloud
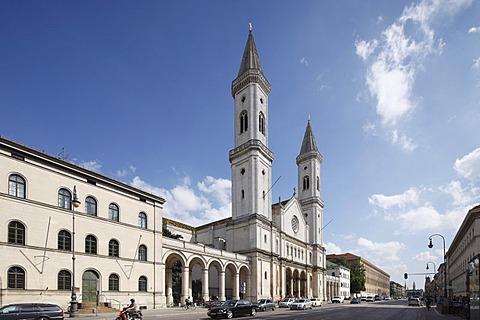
x,y
379,251
332,248
476,63
474,30
379,19
426,217
210,201
365,49
93,165
463,197
468,167
425,255
124,172
403,141
304,61
370,129
400,200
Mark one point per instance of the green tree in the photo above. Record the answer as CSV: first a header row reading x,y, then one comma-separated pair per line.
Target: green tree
x,y
167,233
357,273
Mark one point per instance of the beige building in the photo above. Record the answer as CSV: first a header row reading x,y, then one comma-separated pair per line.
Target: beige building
x,y
111,247
377,281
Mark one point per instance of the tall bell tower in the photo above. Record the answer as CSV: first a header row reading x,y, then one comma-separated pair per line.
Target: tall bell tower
x,y
251,160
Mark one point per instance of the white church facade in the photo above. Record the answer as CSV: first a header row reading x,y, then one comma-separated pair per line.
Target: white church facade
x,y
113,246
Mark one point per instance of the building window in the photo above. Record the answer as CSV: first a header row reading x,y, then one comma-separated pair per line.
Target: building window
x,y
64,280
142,220
64,199
91,206
243,121
113,248
16,233
113,282
16,278
16,186
306,183
265,238
318,183
142,284
90,244
261,123
113,212
64,240
142,253
243,194
265,275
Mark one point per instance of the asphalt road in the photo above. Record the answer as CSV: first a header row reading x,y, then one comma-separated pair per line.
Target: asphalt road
x,y
384,310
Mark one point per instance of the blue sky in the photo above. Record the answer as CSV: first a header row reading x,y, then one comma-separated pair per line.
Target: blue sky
x,y
140,91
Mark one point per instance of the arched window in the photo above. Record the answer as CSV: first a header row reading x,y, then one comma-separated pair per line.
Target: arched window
x,y
16,278
90,244
142,220
64,199
142,284
113,248
142,253
91,206
113,282
16,186
243,121
16,233
64,280
113,212
306,183
261,122
64,240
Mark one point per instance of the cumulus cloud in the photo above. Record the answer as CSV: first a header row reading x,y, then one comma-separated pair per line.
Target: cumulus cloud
x,y
400,200
370,129
468,167
425,256
379,251
396,57
403,141
208,201
461,196
304,61
93,165
474,30
332,248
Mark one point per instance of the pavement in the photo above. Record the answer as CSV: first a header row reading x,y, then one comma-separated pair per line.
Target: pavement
x,y
172,311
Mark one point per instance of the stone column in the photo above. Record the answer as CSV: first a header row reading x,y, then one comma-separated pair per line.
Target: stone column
x,y
205,293
221,285
236,286
185,284
169,284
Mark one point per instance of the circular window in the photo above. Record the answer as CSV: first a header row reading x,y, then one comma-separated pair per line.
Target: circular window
x,y
295,224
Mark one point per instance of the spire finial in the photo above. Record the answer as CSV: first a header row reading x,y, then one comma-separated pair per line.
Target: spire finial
x,y
250,26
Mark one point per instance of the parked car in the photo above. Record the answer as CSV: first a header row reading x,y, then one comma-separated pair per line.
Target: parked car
x,y
356,301
31,311
338,299
414,302
285,303
316,302
369,299
233,308
266,304
301,304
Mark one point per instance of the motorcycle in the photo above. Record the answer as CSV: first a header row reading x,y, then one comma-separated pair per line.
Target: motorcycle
x,y
129,314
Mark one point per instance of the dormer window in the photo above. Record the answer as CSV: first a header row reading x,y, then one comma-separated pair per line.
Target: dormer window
x,y
243,121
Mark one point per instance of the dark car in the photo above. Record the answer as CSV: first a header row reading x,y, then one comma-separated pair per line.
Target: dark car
x,y
355,301
233,308
31,311
266,304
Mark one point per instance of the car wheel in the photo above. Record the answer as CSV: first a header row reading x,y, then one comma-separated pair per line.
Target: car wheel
x,y
273,308
254,312
229,314
42,318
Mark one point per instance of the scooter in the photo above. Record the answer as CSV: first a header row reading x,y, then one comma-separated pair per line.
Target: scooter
x,y
129,314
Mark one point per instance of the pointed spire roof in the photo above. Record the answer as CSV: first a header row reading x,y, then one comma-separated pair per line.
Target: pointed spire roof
x,y
250,59
309,143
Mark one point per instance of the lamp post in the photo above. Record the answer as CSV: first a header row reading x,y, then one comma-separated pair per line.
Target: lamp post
x,y
435,269
430,245
73,301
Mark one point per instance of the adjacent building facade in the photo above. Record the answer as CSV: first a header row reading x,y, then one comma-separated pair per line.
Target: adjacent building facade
x,y
112,247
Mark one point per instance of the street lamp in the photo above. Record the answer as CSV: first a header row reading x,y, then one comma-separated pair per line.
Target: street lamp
x,y
430,245
434,267
74,302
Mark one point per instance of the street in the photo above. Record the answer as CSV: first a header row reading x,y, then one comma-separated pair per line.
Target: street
x,y
384,310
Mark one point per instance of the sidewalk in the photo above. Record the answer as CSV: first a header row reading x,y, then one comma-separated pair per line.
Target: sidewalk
x,y
146,313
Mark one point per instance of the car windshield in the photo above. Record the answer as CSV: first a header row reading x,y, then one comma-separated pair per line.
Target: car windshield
x,y
229,303
301,300
9,309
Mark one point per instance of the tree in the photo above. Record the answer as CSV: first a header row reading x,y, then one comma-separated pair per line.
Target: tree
x,y
357,273
167,233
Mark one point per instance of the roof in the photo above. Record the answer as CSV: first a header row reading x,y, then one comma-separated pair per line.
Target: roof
x,y
250,59
308,144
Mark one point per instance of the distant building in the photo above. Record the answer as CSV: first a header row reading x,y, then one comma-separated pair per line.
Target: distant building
x,y
340,287
396,290
377,281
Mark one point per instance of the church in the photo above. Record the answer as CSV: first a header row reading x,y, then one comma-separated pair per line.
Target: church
x,y
64,226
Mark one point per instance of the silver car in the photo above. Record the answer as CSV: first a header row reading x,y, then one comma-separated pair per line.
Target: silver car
x,y
301,304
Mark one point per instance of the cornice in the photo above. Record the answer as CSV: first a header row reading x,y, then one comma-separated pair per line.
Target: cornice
x,y
251,144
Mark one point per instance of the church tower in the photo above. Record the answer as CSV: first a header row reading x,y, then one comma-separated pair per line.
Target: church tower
x,y
251,160
309,192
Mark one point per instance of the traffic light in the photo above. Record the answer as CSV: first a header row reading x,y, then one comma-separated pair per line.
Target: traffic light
x,y
405,275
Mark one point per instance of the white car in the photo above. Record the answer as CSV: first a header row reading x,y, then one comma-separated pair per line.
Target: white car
x,y
338,299
301,304
285,303
414,302
370,299
316,302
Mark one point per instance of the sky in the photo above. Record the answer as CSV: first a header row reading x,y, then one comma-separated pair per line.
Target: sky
x,y
140,91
